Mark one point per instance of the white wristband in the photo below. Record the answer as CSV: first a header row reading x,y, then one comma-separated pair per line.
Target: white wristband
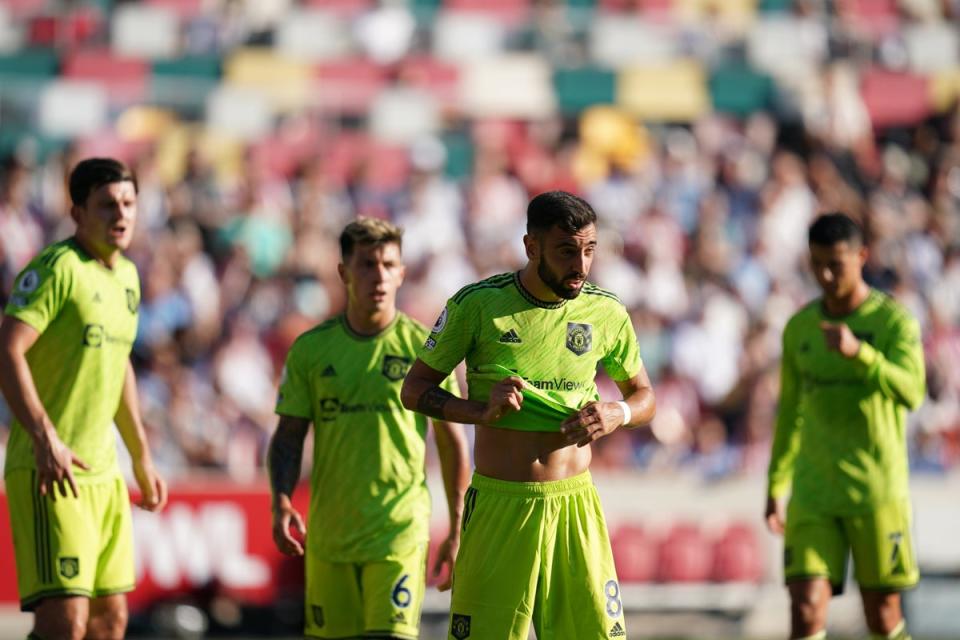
x,y
626,411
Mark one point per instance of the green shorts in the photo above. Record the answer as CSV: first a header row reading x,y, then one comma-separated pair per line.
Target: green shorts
x,y
381,598
70,546
880,541
535,551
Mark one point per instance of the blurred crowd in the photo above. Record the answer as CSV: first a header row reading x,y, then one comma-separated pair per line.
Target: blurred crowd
x,y
702,235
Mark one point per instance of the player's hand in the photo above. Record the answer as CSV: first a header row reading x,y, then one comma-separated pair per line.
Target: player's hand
x,y
592,422
446,555
505,397
286,517
55,462
153,488
839,338
775,515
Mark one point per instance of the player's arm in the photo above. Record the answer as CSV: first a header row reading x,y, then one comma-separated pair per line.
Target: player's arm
x,y
455,469
153,489
284,458
421,392
597,419
54,459
899,373
786,442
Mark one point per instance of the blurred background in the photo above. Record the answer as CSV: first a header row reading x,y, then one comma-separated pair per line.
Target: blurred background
x,y
707,134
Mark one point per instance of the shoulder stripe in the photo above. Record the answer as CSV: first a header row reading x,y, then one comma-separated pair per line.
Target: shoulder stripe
x,y
594,290
493,282
54,252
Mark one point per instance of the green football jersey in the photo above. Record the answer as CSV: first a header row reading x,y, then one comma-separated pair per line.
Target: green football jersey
x,y
501,329
368,485
86,315
840,433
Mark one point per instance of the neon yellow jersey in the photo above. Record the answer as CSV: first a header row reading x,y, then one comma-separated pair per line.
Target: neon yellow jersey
x,y
501,329
86,315
840,435
369,495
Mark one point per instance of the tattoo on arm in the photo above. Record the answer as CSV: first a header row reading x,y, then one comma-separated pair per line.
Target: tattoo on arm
x,y
285,456
432,401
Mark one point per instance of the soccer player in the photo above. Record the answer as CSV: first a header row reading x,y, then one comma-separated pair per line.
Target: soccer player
x,y
369,506
65,371
852,367
535,546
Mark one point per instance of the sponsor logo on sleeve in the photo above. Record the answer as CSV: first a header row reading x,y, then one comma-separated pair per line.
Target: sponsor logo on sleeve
x,y
441,322
29,281
430,344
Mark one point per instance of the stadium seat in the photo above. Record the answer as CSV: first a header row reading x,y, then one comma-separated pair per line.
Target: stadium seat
x,y
347,86
28,64
125,79
634,553
737,555
345,8
239,112
184,9
436,77
578,89
945,89
72,108
24,8
313,35
284,81
459,37
672,92
893,98
739,90
509,86
781,45
932,47
872,18
684,555
183,83
402,115
144,31
508,12
617,41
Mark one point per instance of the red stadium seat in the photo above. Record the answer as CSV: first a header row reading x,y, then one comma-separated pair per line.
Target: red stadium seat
x,y
685,555
126,79
438,78
185,9
737,556
508,12
875,18
349,86
894,98
24,8
346,8
634,553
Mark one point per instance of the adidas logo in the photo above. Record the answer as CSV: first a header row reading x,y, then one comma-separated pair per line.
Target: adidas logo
x,y
399,617
616,631
329,372
510,337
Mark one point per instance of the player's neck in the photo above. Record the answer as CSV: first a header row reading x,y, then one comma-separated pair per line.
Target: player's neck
x,y
367,323
107,257
535,286
845,305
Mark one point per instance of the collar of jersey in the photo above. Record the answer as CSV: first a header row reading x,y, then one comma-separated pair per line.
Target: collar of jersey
x,y
532,299
361,337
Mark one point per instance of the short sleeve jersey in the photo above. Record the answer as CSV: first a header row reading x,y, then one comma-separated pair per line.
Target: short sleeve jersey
x,y
368,487
86,315
501,329
840,437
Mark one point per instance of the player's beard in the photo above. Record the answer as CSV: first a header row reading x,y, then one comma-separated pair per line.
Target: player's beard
x,y
555,283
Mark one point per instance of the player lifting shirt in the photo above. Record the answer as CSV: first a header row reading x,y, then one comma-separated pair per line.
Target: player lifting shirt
x,y
535,546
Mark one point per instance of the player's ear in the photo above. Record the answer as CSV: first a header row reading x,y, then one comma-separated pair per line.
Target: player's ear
x,y
342,271
76,212
531,245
